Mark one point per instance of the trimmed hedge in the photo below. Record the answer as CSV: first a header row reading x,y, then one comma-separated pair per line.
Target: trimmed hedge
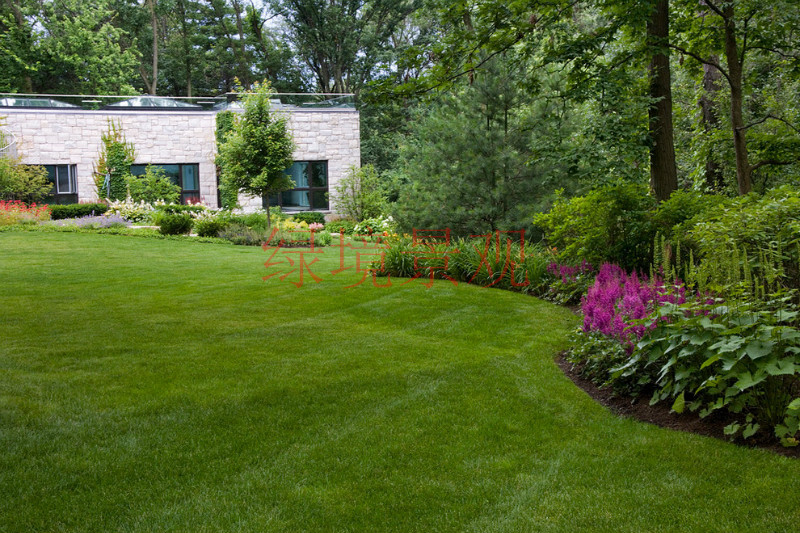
x,y
344,225
175,224
60,212
309,217
174,209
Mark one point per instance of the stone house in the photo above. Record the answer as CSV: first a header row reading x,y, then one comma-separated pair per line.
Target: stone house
x,y
64,135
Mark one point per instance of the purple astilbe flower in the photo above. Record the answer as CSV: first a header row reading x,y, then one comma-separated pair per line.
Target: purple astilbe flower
x,y
617,302
569,273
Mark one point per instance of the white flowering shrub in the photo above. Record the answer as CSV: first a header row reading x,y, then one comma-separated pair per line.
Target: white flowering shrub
x,y
375,225
130,210
210,222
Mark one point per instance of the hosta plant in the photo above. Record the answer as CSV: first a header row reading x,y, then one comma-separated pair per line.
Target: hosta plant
x,y
743,359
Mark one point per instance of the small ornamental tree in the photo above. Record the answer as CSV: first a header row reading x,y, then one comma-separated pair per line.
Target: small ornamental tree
x,y
153,186
359,195
257,151
225,120
27,183
115,160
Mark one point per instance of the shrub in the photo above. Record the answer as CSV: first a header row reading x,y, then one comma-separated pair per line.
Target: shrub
x,y
258,219
699,354
130,210
375,225
742,359
609,224
764,232
344,226
59,212
681,207
153,186
359,194
174,224
309,217
209,223
16,212
322,238
27,183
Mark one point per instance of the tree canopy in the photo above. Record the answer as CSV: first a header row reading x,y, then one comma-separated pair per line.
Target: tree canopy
x,y
257,151
674,93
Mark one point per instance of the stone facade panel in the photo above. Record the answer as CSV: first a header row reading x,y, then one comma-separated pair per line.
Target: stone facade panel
x,y
62,136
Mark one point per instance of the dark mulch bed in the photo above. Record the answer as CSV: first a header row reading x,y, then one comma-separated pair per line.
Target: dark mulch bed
x,y
660,414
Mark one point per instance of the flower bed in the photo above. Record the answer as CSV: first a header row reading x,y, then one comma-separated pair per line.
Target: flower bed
x,y
17,212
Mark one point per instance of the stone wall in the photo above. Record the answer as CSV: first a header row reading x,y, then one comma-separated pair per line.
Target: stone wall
x,y
323,135
65,136
61,136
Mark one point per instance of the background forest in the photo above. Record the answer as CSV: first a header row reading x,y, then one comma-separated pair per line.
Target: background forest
x,y
473,113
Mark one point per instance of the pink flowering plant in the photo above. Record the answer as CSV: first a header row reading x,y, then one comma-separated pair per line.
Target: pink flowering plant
x,y
569,282
618,310
618,304
702,354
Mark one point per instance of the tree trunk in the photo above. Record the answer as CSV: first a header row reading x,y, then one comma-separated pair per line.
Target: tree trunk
x,y
735,80
709,118
663,173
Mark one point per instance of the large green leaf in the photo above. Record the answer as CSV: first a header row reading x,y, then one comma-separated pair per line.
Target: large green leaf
x,y
747,380
679,403
750,430
781,367
729,344
710,361
757,349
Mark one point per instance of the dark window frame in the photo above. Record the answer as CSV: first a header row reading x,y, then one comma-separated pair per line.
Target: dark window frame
x,y
310,189
186,194
57,196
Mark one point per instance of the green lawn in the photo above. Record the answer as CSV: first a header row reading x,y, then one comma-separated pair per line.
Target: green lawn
x,y
151,385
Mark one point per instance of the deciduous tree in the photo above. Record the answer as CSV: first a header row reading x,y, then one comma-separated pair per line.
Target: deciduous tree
x,y
257,151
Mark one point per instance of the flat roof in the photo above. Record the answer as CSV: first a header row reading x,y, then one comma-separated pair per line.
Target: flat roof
x,y
285,101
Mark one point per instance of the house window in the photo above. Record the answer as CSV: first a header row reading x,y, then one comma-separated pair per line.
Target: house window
x,y
184,175
65,187
311,188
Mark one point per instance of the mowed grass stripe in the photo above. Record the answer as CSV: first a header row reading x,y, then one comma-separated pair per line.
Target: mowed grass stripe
x,y
161,385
